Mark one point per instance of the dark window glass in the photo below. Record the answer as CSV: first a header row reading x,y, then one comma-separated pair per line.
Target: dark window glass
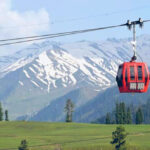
x,y
146,76
120,72
132,74
139,72
119,76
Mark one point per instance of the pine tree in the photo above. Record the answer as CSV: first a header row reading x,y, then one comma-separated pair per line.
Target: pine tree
x,y
146,111
121,113
139,116
129,119
23,145
108,120
124,116
118,138
117,116
121,119
69,110
1,112
6,115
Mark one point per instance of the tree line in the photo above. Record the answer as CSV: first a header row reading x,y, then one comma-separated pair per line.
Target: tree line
x,y
124,115
3,114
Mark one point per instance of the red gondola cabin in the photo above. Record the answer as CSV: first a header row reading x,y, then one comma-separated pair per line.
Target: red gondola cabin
x,y
133,77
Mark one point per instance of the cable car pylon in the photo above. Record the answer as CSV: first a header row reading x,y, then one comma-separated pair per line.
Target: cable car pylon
x,y
133,77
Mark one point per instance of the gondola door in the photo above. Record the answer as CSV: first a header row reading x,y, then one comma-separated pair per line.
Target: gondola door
x,y
140,77
132,78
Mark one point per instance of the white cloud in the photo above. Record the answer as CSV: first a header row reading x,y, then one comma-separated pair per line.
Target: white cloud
x,y
16,24
5,5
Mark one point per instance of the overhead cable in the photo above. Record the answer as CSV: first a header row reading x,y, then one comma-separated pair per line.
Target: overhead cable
x,y
48,36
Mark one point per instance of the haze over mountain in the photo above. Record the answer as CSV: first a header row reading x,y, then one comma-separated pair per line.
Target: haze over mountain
x,y
36,81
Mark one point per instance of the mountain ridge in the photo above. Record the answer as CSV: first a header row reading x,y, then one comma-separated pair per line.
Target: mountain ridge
x,y
35,79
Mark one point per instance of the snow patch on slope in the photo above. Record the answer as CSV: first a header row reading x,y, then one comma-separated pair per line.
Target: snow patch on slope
x,y
35,83
21,83
32,70
26,73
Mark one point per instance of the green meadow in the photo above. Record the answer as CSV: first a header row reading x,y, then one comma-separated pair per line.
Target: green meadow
x,y
69,136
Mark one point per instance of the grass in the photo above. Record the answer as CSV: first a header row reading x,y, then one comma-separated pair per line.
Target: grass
x,y
69,136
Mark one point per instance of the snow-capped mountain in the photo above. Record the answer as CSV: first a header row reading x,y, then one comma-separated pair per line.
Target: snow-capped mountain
x,y
35,77
14,61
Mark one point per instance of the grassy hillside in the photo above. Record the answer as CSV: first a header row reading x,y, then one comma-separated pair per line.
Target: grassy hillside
x,y
69,136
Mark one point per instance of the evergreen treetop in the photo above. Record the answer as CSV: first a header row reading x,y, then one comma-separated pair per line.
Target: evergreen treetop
x,y
6,115
118,138
69,109
108,120
1,112
139,116
23,145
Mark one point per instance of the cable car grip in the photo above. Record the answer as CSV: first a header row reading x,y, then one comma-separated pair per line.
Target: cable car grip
x,y
130,25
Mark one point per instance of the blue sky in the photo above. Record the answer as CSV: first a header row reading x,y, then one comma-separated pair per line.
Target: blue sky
x,y
35,17
67,15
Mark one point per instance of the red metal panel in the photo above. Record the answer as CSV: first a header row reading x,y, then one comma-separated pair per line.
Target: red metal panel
x,y
137,84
